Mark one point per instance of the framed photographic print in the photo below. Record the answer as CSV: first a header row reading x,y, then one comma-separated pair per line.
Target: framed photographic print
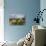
x,y
17,20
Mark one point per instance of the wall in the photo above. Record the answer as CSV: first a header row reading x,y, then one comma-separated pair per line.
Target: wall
x,y
43,6
1,21
26,7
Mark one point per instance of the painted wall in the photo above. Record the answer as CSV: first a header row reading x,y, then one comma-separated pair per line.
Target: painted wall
x,y
1,21
26,7
43,6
